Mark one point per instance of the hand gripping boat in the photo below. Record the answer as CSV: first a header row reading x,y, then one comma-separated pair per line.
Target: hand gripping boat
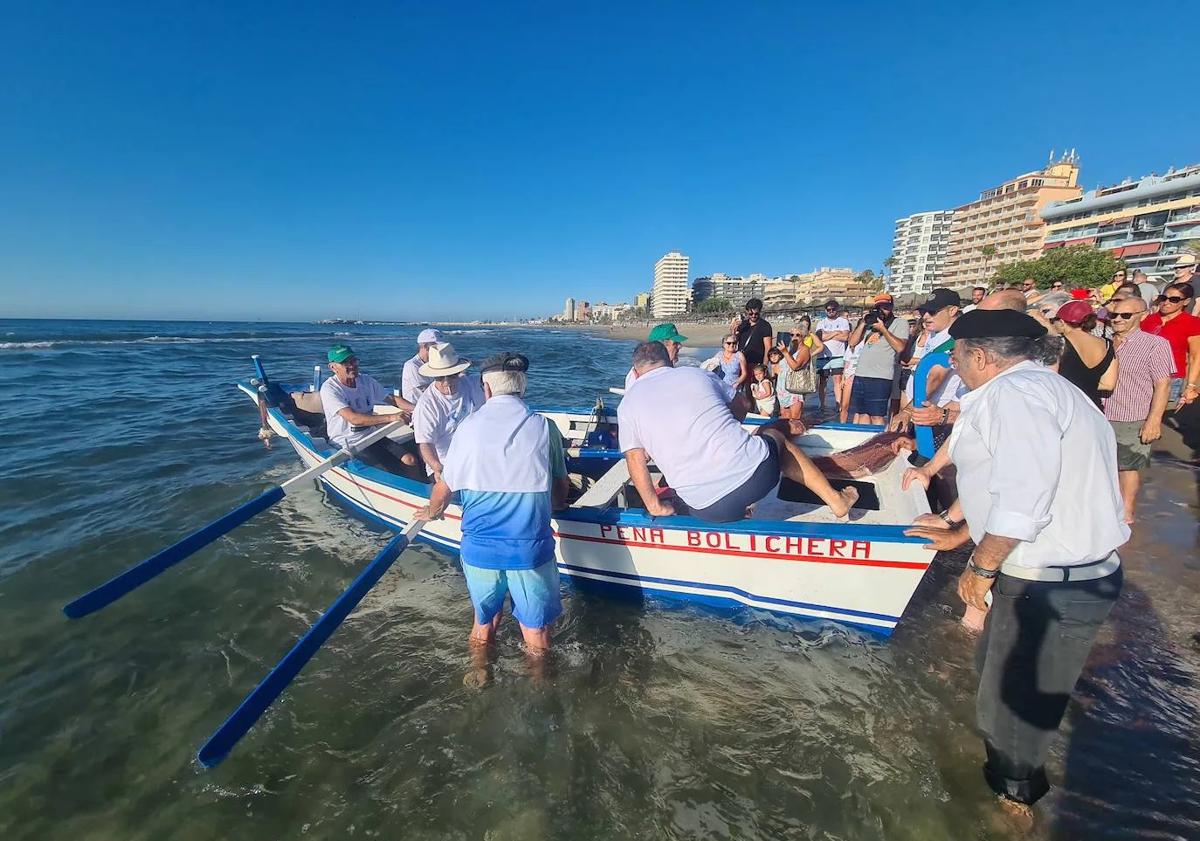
x,y
789,557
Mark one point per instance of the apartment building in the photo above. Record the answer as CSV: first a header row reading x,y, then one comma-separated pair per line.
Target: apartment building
x,y
735,289
1146,222
1007,218
569,310
817,285
671,293
919,249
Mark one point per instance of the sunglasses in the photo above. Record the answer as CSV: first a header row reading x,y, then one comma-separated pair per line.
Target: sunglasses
x,y
1174,299
1124,315
729,344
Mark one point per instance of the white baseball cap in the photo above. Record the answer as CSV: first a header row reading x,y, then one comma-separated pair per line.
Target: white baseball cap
x,y
429,336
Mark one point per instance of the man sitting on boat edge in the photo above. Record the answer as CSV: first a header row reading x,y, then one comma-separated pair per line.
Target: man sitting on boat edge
x,y
348,399
686,425
450,398
506,463
412,382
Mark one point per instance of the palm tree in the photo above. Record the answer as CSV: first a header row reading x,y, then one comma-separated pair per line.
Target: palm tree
x,y
988,252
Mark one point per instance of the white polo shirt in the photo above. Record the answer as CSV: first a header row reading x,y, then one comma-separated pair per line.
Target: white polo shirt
x,y
412,382
681,418
362,398
1037,461
437,416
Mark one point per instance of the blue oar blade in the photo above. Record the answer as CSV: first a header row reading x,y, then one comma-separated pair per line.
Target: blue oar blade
x,y
248,713
136,576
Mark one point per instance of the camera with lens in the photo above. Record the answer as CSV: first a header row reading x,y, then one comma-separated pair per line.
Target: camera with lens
x,y
872,316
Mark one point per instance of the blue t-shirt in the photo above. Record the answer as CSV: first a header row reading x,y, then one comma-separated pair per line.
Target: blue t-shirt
x,y
504,530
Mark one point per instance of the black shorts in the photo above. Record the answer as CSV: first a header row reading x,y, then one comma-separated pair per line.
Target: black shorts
x,y
732,506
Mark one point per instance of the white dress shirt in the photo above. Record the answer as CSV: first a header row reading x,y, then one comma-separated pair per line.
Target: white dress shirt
x,y
1037,461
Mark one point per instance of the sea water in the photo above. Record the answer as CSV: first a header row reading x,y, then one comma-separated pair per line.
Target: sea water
x,y
649,720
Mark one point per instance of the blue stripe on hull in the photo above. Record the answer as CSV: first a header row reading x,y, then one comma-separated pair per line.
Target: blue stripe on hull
x,y
725,588
726,608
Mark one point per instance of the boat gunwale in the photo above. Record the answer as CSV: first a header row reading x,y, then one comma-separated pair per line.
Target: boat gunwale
x,y
618,516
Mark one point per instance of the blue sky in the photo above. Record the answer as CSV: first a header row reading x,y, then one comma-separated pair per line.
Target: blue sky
x,y
441,160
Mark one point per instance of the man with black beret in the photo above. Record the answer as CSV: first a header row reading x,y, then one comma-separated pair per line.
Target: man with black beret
x,y
506,463
1037,479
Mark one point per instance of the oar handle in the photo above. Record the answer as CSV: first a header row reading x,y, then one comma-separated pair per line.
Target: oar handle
x,y
135,577
250,710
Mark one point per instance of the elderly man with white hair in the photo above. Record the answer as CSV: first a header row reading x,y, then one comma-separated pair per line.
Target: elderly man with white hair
x,y
506,463
451,397
412,382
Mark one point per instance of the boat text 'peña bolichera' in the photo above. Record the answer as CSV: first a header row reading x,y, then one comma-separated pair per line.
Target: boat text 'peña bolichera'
x,y
790,556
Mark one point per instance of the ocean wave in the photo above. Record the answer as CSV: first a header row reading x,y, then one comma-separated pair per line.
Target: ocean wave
x,y
44,344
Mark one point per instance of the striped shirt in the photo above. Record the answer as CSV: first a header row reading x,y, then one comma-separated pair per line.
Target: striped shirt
x,y
1142,360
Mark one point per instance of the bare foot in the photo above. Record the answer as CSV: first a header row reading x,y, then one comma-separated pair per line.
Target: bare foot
x,y
848,496
1018,815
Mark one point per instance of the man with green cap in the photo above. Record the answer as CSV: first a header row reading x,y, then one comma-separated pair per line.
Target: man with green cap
x,y
349,400
671,340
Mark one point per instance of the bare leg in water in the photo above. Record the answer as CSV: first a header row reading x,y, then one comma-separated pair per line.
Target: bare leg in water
x,y
798,467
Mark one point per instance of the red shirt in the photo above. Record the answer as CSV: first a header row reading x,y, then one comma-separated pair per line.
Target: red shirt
x,y
1177,331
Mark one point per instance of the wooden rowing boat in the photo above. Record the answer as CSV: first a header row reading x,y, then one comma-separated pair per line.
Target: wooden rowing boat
x,y
790,557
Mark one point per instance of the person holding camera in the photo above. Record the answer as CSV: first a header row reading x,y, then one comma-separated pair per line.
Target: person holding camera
x,y
882,336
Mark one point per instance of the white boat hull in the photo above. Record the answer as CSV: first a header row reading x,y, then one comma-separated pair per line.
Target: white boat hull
x,y
858,574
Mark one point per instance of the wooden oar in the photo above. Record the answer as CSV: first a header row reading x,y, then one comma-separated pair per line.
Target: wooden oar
x,y
924,434
136,576
250,710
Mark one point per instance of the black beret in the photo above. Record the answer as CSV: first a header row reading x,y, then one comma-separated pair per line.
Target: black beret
x,y
505,362
992,324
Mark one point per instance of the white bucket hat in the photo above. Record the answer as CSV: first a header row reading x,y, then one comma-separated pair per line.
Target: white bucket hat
x,y
429,336
443,362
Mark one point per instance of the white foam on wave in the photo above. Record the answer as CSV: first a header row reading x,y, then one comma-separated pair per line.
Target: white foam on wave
x,y
165,340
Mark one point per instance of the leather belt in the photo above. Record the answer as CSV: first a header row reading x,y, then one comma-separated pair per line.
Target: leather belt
x,y
1060,574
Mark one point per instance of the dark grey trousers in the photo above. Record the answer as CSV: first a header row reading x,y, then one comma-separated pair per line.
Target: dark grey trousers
x,y
1036,640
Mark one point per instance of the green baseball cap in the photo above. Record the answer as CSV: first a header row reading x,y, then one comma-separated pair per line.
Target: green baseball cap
x,y
665,333
340,353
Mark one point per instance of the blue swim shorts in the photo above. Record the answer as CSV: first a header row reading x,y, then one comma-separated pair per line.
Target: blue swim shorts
x,y
535,593
830,364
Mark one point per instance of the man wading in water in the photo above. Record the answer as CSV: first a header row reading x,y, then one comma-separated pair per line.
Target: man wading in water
x,y
1037,478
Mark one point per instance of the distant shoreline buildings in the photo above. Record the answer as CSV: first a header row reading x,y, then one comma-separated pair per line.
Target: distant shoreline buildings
x,y
1147,223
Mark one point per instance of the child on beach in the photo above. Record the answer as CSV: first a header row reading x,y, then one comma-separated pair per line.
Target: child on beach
x,y
764,393
849,361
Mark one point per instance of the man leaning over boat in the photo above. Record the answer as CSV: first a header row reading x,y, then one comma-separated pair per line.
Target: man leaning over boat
x,y
506,463
348,399
686,425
